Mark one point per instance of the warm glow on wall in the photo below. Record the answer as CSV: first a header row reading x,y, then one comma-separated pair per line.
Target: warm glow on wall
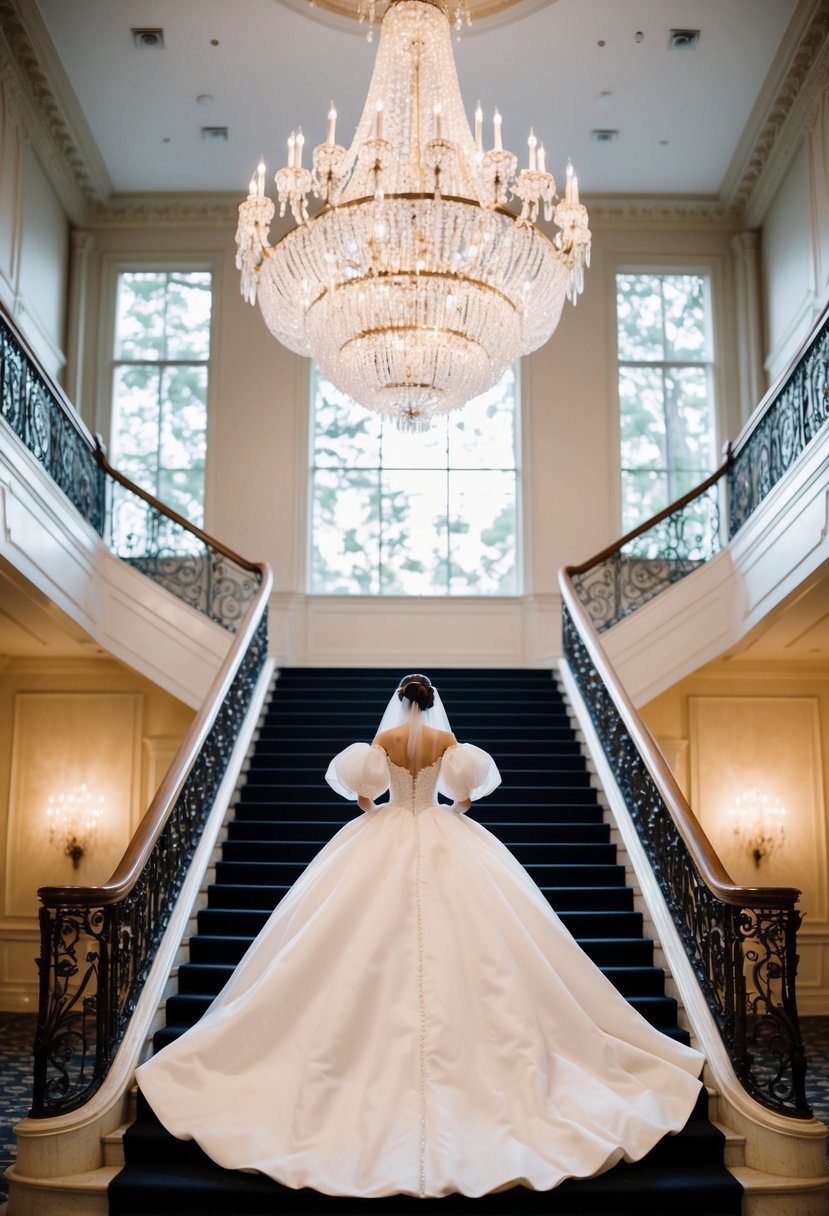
x,y
74,819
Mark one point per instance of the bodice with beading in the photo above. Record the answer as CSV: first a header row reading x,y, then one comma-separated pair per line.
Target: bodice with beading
x,y
414,791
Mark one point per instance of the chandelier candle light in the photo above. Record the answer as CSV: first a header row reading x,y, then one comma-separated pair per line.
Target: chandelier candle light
x,y
73,820
413,287
759,823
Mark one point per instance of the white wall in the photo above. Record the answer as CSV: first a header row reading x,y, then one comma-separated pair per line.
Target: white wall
x,y
257,480
795,242
34,243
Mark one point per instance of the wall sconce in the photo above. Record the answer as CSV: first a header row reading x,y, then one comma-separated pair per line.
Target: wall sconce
x,y
73,821
759,823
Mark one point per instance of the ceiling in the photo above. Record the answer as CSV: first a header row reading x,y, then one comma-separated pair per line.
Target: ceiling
x,y
566,67
32,627
797,630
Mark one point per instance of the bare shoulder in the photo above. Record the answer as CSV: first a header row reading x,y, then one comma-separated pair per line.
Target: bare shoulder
x,y
447,739
387,737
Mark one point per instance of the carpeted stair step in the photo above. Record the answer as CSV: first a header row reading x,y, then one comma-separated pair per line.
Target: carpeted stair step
x,y
573,793
604,951
264,850
510,832
570,899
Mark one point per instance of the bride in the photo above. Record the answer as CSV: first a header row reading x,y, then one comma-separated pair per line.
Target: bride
x,y
414,1018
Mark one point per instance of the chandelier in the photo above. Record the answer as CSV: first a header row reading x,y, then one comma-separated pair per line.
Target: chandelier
x,y
414,286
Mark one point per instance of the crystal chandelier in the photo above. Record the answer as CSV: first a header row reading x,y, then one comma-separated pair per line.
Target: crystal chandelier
x,y
414,286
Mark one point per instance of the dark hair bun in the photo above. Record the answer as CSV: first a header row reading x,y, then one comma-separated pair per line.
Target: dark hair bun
x,y
417,688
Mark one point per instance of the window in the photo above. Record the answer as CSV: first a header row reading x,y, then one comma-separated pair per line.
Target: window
x,y
403,514
665,356
158,434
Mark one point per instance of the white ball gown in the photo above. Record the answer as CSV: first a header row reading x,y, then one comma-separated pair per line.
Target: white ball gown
x,y
414,1018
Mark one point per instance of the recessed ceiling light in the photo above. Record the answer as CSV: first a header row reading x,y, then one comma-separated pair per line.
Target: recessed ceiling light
x,y
215,134
148,38
204,99
683,40
604,135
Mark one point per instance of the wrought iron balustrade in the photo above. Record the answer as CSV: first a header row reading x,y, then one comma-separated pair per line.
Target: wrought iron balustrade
x,y
179,557
785,422
40,415
651,558
741,940
98,943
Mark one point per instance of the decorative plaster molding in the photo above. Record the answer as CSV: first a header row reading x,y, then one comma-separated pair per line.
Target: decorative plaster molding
x,y
609,211
756,171
47,108
165,210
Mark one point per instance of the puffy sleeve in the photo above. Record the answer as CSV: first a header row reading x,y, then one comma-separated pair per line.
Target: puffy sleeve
x,y
467,771
361,771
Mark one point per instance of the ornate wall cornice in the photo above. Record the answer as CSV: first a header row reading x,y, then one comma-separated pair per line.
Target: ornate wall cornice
x,y
610,212
36,87
45,105
154,210
755,175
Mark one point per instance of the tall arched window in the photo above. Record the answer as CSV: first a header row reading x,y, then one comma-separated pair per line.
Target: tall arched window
x,y
400,514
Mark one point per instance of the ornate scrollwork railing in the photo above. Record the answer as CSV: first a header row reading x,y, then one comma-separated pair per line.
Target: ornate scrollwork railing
x,y
43,419
151,537
741,940
179,557
98,943
651,558
787,419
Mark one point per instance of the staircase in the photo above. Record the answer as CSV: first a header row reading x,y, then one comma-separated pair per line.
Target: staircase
x,y
546,811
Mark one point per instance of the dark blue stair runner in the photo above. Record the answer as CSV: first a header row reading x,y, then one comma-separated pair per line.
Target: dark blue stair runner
x,y
546,811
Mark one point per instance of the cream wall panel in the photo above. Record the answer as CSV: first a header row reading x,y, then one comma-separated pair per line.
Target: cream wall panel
x,y
60,740
10,184
65,703
747,722
34,242
771,744
44,260
788,265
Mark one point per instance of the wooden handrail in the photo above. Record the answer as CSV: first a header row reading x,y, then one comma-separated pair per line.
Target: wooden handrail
x,y
656,519
149,829
711,869
140,492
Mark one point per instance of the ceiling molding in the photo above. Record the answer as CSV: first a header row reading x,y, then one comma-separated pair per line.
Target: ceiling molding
x,y
221,210
608,212
773,132
45,103
166,210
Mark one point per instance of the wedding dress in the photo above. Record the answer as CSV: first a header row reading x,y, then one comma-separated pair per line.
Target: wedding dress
x,y
414,1018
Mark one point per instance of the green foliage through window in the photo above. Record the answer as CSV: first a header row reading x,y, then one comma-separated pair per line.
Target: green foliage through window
x,y
158,433
401,514
665,389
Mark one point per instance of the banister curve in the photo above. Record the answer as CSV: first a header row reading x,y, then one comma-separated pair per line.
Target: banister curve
x,y
131,865
714,873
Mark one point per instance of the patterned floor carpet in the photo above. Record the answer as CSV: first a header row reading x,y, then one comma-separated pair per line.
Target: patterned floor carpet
x,y
17,1031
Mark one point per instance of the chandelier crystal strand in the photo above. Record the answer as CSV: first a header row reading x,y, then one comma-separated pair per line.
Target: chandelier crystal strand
x,y
414,286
